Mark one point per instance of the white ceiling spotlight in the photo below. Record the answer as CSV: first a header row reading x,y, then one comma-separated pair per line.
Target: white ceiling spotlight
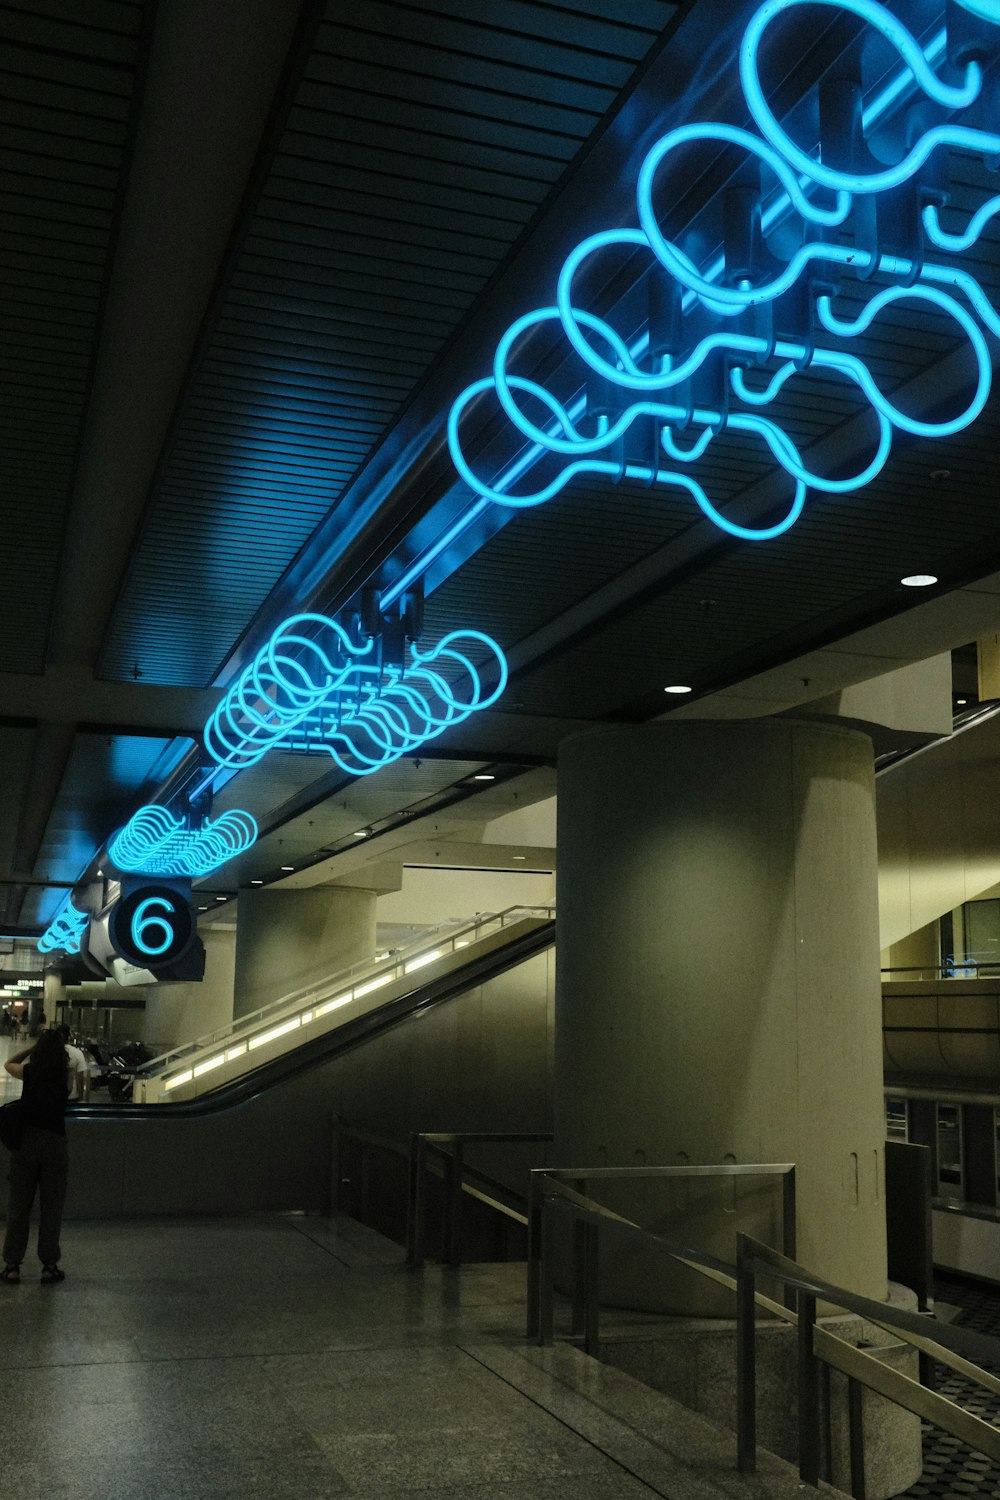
x,y
918,580
677,687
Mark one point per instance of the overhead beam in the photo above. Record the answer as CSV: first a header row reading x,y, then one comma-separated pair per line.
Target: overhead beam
x,y
70,693
212,76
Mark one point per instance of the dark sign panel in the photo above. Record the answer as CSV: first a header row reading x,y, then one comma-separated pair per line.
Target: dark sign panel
x,y
152,927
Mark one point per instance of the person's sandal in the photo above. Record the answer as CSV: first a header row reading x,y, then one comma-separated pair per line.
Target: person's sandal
x,y
10,1273
51,1274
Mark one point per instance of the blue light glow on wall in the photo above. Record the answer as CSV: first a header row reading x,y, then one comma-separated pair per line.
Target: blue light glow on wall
x,y
154,842
763,294
64,931
312,688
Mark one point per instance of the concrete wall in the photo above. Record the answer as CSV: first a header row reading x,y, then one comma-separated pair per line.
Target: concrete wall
x,y
177,1013
430,896
479,1062
286,940
938,831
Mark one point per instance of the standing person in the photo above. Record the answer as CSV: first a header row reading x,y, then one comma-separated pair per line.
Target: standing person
x,y
79,1068
40,1163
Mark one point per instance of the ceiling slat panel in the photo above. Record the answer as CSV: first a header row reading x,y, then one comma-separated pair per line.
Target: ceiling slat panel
x,y
67,77
365,249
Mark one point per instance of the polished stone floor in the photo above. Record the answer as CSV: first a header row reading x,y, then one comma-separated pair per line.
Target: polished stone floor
x,y
297,1357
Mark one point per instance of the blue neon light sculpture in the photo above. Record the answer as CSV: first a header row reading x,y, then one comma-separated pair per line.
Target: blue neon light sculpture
x,y
64,931
642,410
154,842
155,912
313,688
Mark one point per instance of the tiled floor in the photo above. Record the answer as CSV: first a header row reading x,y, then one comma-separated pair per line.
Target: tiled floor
x,y
298,1359
951,1470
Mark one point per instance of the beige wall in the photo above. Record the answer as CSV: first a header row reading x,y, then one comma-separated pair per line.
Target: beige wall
x,y
430,896
920,951
287,940
938,831
178,1013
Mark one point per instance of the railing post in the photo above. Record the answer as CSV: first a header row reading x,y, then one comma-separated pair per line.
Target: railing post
x,y
364,1175
746,1359
546,1274
592,1302
580,1251
333,1193
416,1209
809,1427
534,1253
856,1428
788,1227
450,1250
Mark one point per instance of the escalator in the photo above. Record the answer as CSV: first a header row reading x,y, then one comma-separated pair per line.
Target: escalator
x,y
464,1044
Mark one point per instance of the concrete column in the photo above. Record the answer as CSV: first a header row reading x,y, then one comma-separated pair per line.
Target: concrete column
x,y
287,940
179,1013
717,994
53,990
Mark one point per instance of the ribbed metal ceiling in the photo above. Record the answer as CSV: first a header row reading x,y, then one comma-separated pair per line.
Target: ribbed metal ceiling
x,y
67,80
419,143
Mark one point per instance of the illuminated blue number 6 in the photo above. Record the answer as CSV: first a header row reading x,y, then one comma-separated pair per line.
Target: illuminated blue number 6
x,y
141,923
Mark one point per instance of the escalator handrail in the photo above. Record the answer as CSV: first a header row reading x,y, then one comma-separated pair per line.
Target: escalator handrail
x,y
310,995
321,1048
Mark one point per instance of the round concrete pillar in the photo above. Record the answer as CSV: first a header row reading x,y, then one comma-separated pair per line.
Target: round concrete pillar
x,y
717,992
53,993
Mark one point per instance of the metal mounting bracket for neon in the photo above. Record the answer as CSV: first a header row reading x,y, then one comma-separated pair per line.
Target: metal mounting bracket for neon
x,y
312,687
726,331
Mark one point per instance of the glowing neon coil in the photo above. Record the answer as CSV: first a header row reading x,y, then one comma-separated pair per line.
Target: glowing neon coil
x,y
729,323
65,931
154,842
311,689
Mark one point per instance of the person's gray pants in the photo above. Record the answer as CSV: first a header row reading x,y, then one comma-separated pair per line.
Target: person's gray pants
x,y
39,1166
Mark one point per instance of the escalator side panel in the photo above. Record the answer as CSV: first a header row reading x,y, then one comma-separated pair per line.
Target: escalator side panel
x,y
476,1060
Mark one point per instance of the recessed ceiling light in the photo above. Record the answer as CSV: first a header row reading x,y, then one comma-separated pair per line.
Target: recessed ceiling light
x,y
288,867
483,776
961,702
520,856
918,580
361,833
256,882
203,908
677,687
222,898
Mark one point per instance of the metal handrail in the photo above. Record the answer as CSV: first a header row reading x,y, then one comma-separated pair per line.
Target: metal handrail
x,y
428,1153
860,1367
375,972
957,969
950,1346
444,1151
550,1182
